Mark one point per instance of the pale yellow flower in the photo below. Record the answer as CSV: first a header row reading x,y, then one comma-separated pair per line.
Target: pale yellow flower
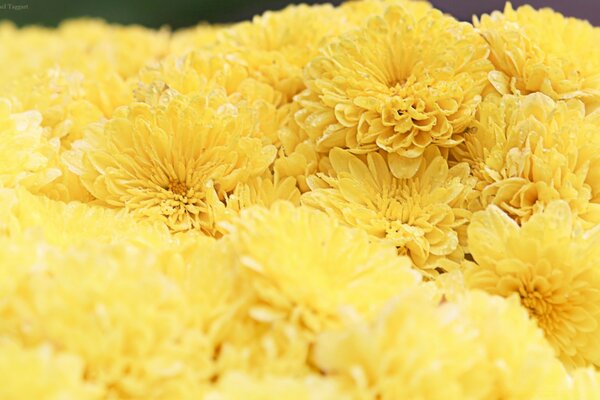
x,y
528,151
400,84
42,373
542,51
277,45
236,385
163,162
415,349
134,330
304,266
423,216
552,266
26,154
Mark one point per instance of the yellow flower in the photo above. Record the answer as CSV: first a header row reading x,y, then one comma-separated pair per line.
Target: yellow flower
x,y
528,151
297,156
415,349
134,329
551,266
585,384
204,71
185,40
235,386
74,224
26,154
277,45
423,216
520,361
542,51
400,84
161,162
42,373
304,266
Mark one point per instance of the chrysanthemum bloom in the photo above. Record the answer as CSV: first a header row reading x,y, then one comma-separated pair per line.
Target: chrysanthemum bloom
x,y
236,385
519,359
42,373
161,162
528,151
297,156
304,266
73,224
399,84
185,40
423,216
415,349
585,383
204,71
134,329
552,266
26,154
277,45
542,51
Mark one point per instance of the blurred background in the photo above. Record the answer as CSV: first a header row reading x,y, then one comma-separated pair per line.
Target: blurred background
x,y
182,13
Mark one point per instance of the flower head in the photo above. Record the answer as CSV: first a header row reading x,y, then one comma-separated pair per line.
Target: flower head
x,y
422,216
399,84
542,51
527,151
26,154
305,266
551,266
164,162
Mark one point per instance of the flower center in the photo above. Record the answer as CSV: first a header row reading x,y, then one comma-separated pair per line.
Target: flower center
x,y
177,187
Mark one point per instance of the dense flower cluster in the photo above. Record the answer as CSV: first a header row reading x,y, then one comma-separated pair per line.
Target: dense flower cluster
x,y
370,201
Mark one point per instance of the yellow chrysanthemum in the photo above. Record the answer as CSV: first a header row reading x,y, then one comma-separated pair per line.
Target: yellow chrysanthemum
x,y
67,225
542,51
297,156
235,386
585,384
357,12
423,216
42,374
109,305
304,266
26,154
203,71
520,360
551,266
277,45
399,84
185,40
164,162
412,344
528,151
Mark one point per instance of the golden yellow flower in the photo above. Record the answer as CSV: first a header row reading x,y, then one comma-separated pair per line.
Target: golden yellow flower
x,y
304,266
26,154
161,162
527,151
400,84
42,373
423,216
551,266
415,349
542,51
